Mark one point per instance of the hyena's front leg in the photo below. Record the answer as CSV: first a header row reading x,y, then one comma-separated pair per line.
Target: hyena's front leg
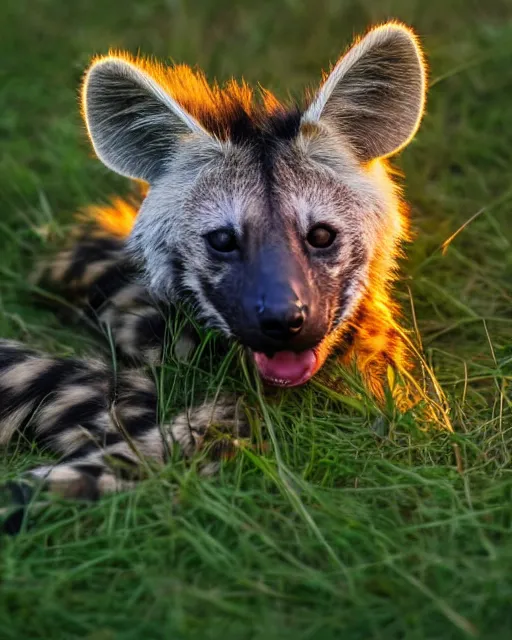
x,y
104,425
75,408
132,453
97,276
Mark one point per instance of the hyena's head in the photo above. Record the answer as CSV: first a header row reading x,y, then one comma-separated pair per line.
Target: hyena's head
x,y
274,221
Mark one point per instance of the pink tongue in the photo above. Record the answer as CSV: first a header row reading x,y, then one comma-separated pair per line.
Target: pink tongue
x,y
286,368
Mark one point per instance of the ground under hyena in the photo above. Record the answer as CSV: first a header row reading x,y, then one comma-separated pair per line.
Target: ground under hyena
x,y
279,225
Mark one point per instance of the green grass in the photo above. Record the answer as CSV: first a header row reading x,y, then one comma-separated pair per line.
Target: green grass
x,y
348,525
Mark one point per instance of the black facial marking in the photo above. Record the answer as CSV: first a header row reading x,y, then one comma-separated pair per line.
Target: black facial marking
x,y
177,262
283,124
264,134
215,293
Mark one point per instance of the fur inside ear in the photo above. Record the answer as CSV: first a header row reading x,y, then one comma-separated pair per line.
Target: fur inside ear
x,y
133,123
375,94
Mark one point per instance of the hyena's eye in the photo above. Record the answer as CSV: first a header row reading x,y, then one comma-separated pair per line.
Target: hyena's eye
x,y
222,240
321,236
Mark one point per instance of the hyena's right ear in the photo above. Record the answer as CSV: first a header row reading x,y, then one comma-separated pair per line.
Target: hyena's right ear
x,y
375,94
133,123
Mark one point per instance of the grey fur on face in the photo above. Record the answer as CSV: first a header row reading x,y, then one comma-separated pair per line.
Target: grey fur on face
x,y
267,175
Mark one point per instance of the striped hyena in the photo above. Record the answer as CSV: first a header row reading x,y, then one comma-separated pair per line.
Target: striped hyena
x,y
279,225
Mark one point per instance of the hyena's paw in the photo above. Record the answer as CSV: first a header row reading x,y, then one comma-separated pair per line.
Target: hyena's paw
x,y
220,427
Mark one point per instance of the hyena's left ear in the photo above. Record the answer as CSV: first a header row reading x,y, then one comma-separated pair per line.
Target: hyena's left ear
x,y
375,94
134,124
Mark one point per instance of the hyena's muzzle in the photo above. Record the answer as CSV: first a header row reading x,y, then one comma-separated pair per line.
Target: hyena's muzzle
x,y
276,314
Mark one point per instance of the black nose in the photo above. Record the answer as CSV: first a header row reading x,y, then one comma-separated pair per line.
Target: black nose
x,y
282,321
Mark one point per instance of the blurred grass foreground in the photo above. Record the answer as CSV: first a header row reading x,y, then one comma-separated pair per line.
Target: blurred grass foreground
x,y
346,527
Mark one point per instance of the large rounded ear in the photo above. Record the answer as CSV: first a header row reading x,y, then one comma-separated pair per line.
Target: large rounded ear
x,y
133,123
375,94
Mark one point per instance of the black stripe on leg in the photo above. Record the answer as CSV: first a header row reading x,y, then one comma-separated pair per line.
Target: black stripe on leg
x,y
137,404
38,389
87,252
106,440
34,390
138,332
150,330
82,413
111,282
12,353
124,467
137,425
88,419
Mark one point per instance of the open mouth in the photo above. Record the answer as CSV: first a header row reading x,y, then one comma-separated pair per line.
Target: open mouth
x,y
286,368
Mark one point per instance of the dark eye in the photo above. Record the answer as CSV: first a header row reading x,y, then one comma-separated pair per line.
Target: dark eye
x,y
222,240
321,236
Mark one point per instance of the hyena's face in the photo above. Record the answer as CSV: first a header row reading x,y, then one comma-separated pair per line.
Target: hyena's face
x,y
271,221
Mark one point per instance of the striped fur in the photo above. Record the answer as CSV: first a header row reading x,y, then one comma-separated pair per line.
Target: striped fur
x,y
102,425
99,279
